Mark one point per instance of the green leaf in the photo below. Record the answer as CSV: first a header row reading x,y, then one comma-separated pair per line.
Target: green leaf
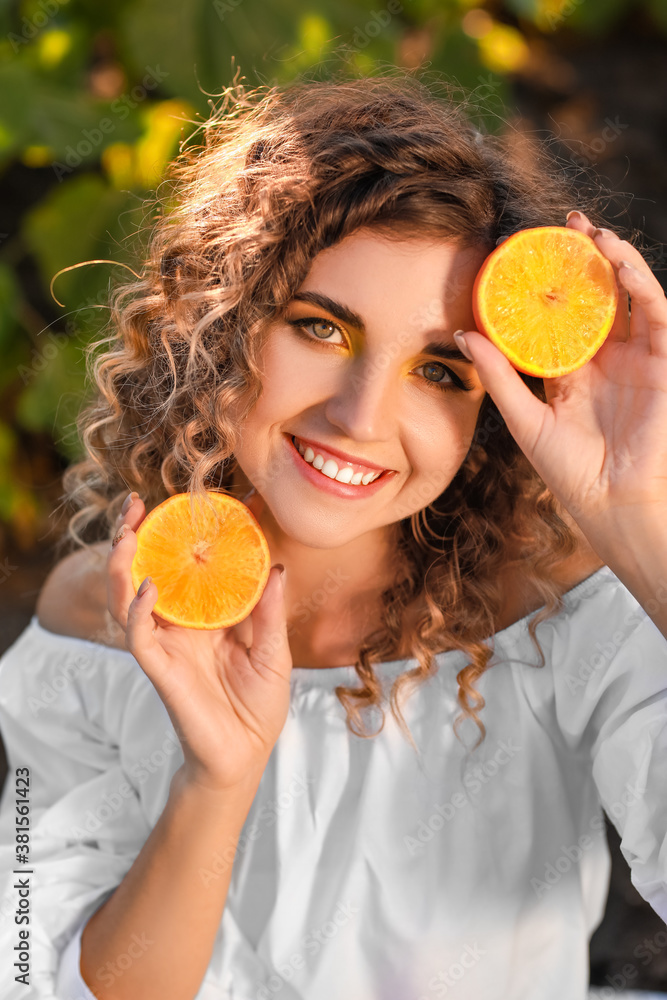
x,y
74,126
83,219
658,12
9,300
52,400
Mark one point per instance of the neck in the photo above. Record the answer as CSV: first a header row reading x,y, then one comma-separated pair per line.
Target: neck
x,y
333,596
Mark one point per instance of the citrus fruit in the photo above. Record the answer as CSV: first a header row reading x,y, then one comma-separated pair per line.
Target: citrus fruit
x,y
210,569
546,297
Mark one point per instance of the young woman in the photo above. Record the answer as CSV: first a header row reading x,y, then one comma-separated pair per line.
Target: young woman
x,y
387,781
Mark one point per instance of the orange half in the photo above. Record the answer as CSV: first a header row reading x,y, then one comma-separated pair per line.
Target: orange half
x,y
547,299
210,569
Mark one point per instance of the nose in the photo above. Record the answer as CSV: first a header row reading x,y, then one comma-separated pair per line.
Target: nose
x,y
364,405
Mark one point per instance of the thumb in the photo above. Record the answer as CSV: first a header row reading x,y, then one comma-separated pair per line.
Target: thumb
x,y
140,629
523,412
270,646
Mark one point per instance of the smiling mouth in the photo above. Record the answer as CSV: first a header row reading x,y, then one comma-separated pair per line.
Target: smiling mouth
x,y
340,471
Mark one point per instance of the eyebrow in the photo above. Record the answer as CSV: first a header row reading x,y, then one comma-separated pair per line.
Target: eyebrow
x,y
446,351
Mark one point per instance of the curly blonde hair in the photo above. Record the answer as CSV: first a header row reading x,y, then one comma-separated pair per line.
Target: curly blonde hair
x,y
280,174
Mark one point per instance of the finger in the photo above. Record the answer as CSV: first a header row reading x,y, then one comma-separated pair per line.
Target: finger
x,y
255,503
243,631
142,642
120,590
605,241
134,512
647,294
270,648
523,412
140,626
620,329
577,220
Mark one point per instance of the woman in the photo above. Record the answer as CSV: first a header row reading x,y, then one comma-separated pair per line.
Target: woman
x,y
235,814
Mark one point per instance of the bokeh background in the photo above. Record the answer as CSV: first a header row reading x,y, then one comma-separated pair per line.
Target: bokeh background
x,y
95,98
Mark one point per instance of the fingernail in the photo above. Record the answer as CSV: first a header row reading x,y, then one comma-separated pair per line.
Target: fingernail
x,y
279,566
119,534
603,232
637,273
127,503
144,585
463,346
571,214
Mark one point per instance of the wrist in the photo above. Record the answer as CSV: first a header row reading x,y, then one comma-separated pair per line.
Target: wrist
x,y
208,789
632,541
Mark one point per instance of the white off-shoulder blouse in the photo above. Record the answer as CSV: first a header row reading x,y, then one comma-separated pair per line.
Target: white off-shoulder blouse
x,y
366,870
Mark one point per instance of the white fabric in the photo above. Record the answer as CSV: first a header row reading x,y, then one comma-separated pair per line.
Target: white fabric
x,y
367,872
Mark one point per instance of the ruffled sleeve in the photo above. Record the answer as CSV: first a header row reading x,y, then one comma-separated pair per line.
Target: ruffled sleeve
x,y
610,684
62,714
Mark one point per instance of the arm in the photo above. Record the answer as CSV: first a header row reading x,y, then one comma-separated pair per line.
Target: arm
x,y
173,896
228,703
634,547
599,441
610,704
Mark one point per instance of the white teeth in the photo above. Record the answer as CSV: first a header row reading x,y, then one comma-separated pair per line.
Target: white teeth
x,y
330,468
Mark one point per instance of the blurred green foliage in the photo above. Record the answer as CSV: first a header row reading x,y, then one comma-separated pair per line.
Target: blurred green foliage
x,y
94,100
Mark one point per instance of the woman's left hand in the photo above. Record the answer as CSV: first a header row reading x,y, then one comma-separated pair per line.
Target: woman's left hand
x,y
600,440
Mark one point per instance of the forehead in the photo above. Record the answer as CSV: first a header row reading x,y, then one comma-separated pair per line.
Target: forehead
x,y
400,277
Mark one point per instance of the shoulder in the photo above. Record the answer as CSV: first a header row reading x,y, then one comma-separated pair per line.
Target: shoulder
x,y
73,598
519,600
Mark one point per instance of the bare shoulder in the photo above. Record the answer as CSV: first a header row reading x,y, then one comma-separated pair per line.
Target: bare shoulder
x,y
73,598
519,599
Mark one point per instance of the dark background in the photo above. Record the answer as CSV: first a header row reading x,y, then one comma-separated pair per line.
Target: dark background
x,y
591,73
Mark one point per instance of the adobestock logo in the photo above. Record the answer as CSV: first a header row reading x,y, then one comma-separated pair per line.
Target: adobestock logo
x,y
46,10
572,854
474,779
121,107
447,979
312,942
267,816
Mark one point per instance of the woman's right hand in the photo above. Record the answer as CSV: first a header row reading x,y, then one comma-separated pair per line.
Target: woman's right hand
x,y
228,703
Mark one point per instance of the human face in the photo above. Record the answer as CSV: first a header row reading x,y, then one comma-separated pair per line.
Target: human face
x,y
346,369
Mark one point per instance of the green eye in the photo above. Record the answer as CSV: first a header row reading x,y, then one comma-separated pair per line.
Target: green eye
x,y
434,372
329,328
311,322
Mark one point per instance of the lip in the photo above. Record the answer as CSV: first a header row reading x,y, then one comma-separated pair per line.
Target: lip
x,y
328,452
330,485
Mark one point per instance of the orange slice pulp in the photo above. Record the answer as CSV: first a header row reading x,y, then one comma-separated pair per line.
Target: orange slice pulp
x,y
210,563
546,298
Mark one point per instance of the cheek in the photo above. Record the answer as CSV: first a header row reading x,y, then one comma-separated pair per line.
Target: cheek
x,y
437,447
288,372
